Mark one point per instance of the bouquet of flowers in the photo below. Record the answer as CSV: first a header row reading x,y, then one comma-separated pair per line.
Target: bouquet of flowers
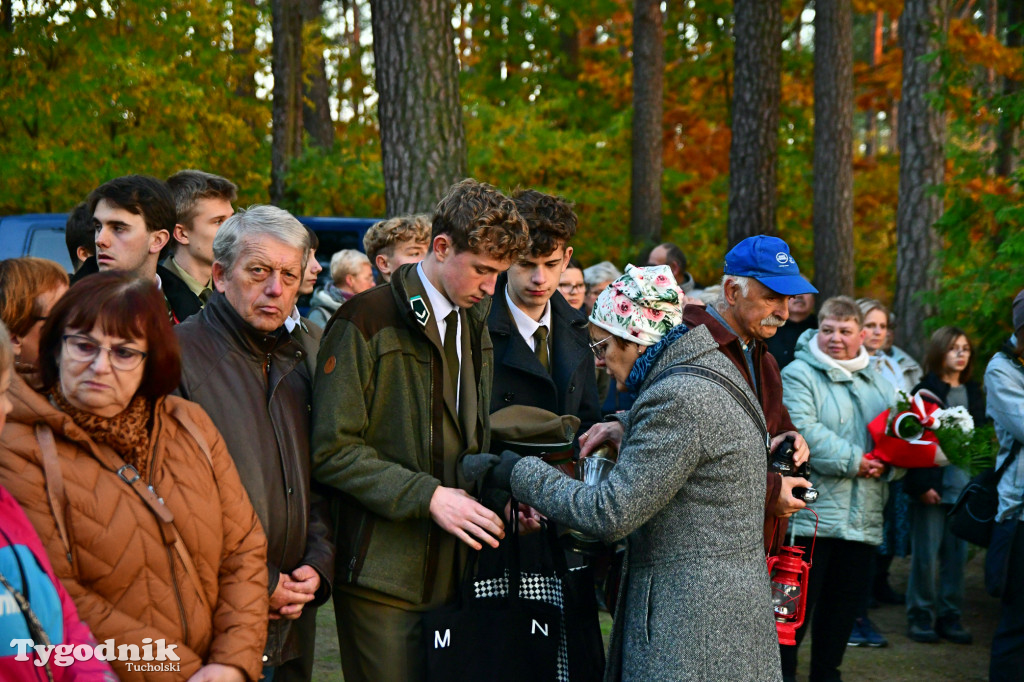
x,y
918,433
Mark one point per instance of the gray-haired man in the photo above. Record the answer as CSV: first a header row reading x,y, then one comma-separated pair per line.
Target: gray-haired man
x,y
250,374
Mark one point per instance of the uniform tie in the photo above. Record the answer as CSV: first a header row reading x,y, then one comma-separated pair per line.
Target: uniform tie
x,y
540,347
451,348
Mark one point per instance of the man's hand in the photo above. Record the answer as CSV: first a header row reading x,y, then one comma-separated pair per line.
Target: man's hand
x,y
286,601
787,505
598,434
529,518
215,672
459,514
930,497
871,468
801,452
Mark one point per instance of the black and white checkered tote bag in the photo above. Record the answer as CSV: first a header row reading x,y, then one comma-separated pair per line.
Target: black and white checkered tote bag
x,y
498,632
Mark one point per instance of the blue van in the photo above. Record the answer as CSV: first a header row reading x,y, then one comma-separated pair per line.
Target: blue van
x,y
42,235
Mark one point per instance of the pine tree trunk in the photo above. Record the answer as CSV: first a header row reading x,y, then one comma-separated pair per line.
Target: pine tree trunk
x,y
648,86
1009,124
833,149
316,105
286,143
871,116
922,135
757,88
423,146
7,15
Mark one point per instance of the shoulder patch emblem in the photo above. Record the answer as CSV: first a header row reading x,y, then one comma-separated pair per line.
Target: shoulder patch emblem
x,y
330,365
420,310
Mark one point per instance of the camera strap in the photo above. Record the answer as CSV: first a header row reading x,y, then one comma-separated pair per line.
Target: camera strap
x,y
730,386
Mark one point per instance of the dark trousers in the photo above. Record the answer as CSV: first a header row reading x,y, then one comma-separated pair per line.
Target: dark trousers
x,y
1007,661
836,586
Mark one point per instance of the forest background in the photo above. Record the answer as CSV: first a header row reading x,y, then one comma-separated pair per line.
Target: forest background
x,y
95,89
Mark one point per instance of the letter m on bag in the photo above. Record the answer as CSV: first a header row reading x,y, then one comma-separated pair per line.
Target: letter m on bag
x,y
442,642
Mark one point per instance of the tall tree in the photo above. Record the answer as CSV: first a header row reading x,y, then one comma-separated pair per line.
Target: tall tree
x,y
7,15
286,145
1009,123
833,148
871,116
423,147
757,88
922,137
316,105
648,87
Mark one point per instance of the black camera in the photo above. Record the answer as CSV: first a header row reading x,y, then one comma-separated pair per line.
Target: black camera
x,y
782,463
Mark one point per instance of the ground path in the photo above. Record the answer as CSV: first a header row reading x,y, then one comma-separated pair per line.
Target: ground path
x,y
902,661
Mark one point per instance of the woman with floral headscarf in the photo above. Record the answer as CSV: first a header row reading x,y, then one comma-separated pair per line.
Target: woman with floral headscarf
x,y
687,493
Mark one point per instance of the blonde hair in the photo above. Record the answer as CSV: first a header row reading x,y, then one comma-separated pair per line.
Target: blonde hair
x,y
346,262
384,235
841,308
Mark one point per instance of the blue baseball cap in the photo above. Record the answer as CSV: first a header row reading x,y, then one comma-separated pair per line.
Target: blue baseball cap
x,y
767,259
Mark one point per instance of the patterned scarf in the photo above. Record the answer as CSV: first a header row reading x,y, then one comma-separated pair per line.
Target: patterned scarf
x,y
647,359
127,434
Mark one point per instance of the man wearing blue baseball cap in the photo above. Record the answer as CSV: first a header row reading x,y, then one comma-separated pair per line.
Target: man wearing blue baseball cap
x,y
760,276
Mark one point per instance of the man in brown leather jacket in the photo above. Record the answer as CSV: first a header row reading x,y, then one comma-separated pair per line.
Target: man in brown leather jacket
x,y
251,375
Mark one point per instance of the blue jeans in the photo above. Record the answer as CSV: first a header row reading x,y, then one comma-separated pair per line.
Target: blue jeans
x,y
937,560
1007,662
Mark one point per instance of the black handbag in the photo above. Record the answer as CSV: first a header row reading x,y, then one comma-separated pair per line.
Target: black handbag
x,y
494,633
973,515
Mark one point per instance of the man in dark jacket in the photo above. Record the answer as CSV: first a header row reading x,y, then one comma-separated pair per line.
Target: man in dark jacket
x,y
241,364
202,202
134,216
402,394
542,352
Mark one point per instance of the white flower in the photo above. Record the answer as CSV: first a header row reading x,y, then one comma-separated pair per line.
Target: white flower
x,y
957,417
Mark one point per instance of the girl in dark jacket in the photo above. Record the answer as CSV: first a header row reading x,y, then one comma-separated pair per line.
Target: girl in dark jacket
x,y
936,586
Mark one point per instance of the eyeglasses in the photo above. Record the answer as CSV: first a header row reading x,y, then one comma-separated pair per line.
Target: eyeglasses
x,y
83,349
960,351
597,349
568,288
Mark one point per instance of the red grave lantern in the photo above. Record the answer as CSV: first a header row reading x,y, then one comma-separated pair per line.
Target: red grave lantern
x,y
788,573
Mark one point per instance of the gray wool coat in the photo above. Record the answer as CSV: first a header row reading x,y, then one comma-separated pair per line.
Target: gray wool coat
x,y
688,494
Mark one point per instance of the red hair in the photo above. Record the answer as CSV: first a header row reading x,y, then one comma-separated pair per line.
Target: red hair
x,y
122,305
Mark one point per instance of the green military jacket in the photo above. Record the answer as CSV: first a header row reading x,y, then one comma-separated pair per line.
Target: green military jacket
x,y
379,415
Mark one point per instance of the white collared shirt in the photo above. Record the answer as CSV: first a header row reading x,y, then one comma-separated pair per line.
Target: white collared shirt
x,y
528,326
292,320
441,307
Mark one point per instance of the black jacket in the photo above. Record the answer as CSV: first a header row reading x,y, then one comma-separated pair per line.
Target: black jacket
x,y
919,481
783,344
257,389
182,302
520,379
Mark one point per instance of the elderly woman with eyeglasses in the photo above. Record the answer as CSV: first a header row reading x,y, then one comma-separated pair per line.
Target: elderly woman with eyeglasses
x,y
687,493
133,492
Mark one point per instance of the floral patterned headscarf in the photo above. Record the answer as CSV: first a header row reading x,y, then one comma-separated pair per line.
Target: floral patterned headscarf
x,y
641,305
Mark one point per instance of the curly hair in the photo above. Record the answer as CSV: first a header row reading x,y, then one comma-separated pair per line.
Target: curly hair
x,y
551,220
479,218
384,235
